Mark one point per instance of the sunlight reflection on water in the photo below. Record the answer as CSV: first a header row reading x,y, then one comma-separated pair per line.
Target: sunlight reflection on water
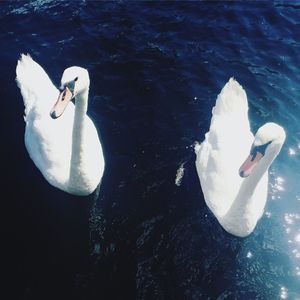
x,y
292,230
283,293
284,191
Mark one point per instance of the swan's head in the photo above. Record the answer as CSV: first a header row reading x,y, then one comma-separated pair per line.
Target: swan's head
x,y
266,146
74,81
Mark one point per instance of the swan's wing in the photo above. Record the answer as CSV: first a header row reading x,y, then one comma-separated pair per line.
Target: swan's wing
x,y
224,148
36,87
229,128
229,123
232,99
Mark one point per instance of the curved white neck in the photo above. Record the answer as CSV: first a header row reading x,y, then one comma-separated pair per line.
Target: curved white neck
x,y
250,183
249,203
81,103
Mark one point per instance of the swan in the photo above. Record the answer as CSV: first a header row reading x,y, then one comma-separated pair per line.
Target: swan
x,y
60,138
232,164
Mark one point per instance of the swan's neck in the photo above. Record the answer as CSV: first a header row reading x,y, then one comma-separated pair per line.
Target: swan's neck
x,y
250,184
76,168
248,205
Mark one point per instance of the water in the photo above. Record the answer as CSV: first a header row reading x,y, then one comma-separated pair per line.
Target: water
x,y
156,69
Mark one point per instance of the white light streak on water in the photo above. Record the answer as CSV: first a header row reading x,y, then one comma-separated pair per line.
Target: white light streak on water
x,y
283,293
292,151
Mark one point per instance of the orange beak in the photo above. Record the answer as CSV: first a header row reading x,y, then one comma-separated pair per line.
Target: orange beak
x,y
63,100
248,166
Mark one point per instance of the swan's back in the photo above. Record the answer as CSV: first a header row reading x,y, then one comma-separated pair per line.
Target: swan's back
x,y
220,155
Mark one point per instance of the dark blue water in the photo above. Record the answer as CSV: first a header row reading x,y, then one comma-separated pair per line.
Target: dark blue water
x,y
156,69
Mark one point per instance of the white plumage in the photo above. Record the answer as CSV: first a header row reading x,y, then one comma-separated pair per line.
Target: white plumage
x,y
237,202
67,149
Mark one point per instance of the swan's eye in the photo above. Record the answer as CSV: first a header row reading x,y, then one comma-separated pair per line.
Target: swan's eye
x,y
75,79
253,152
63,96
261,149
70,85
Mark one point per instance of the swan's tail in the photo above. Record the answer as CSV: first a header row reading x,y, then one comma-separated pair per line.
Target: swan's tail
x,y
232,99
33,82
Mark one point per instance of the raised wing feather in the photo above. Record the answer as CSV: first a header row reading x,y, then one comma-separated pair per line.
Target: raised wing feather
x,y
230,116
225,147
35,85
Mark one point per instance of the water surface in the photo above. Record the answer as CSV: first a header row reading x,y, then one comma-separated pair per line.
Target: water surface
x,y
156,69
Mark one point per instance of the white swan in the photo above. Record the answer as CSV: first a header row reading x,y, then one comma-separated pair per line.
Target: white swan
x,y
67,149
236,191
